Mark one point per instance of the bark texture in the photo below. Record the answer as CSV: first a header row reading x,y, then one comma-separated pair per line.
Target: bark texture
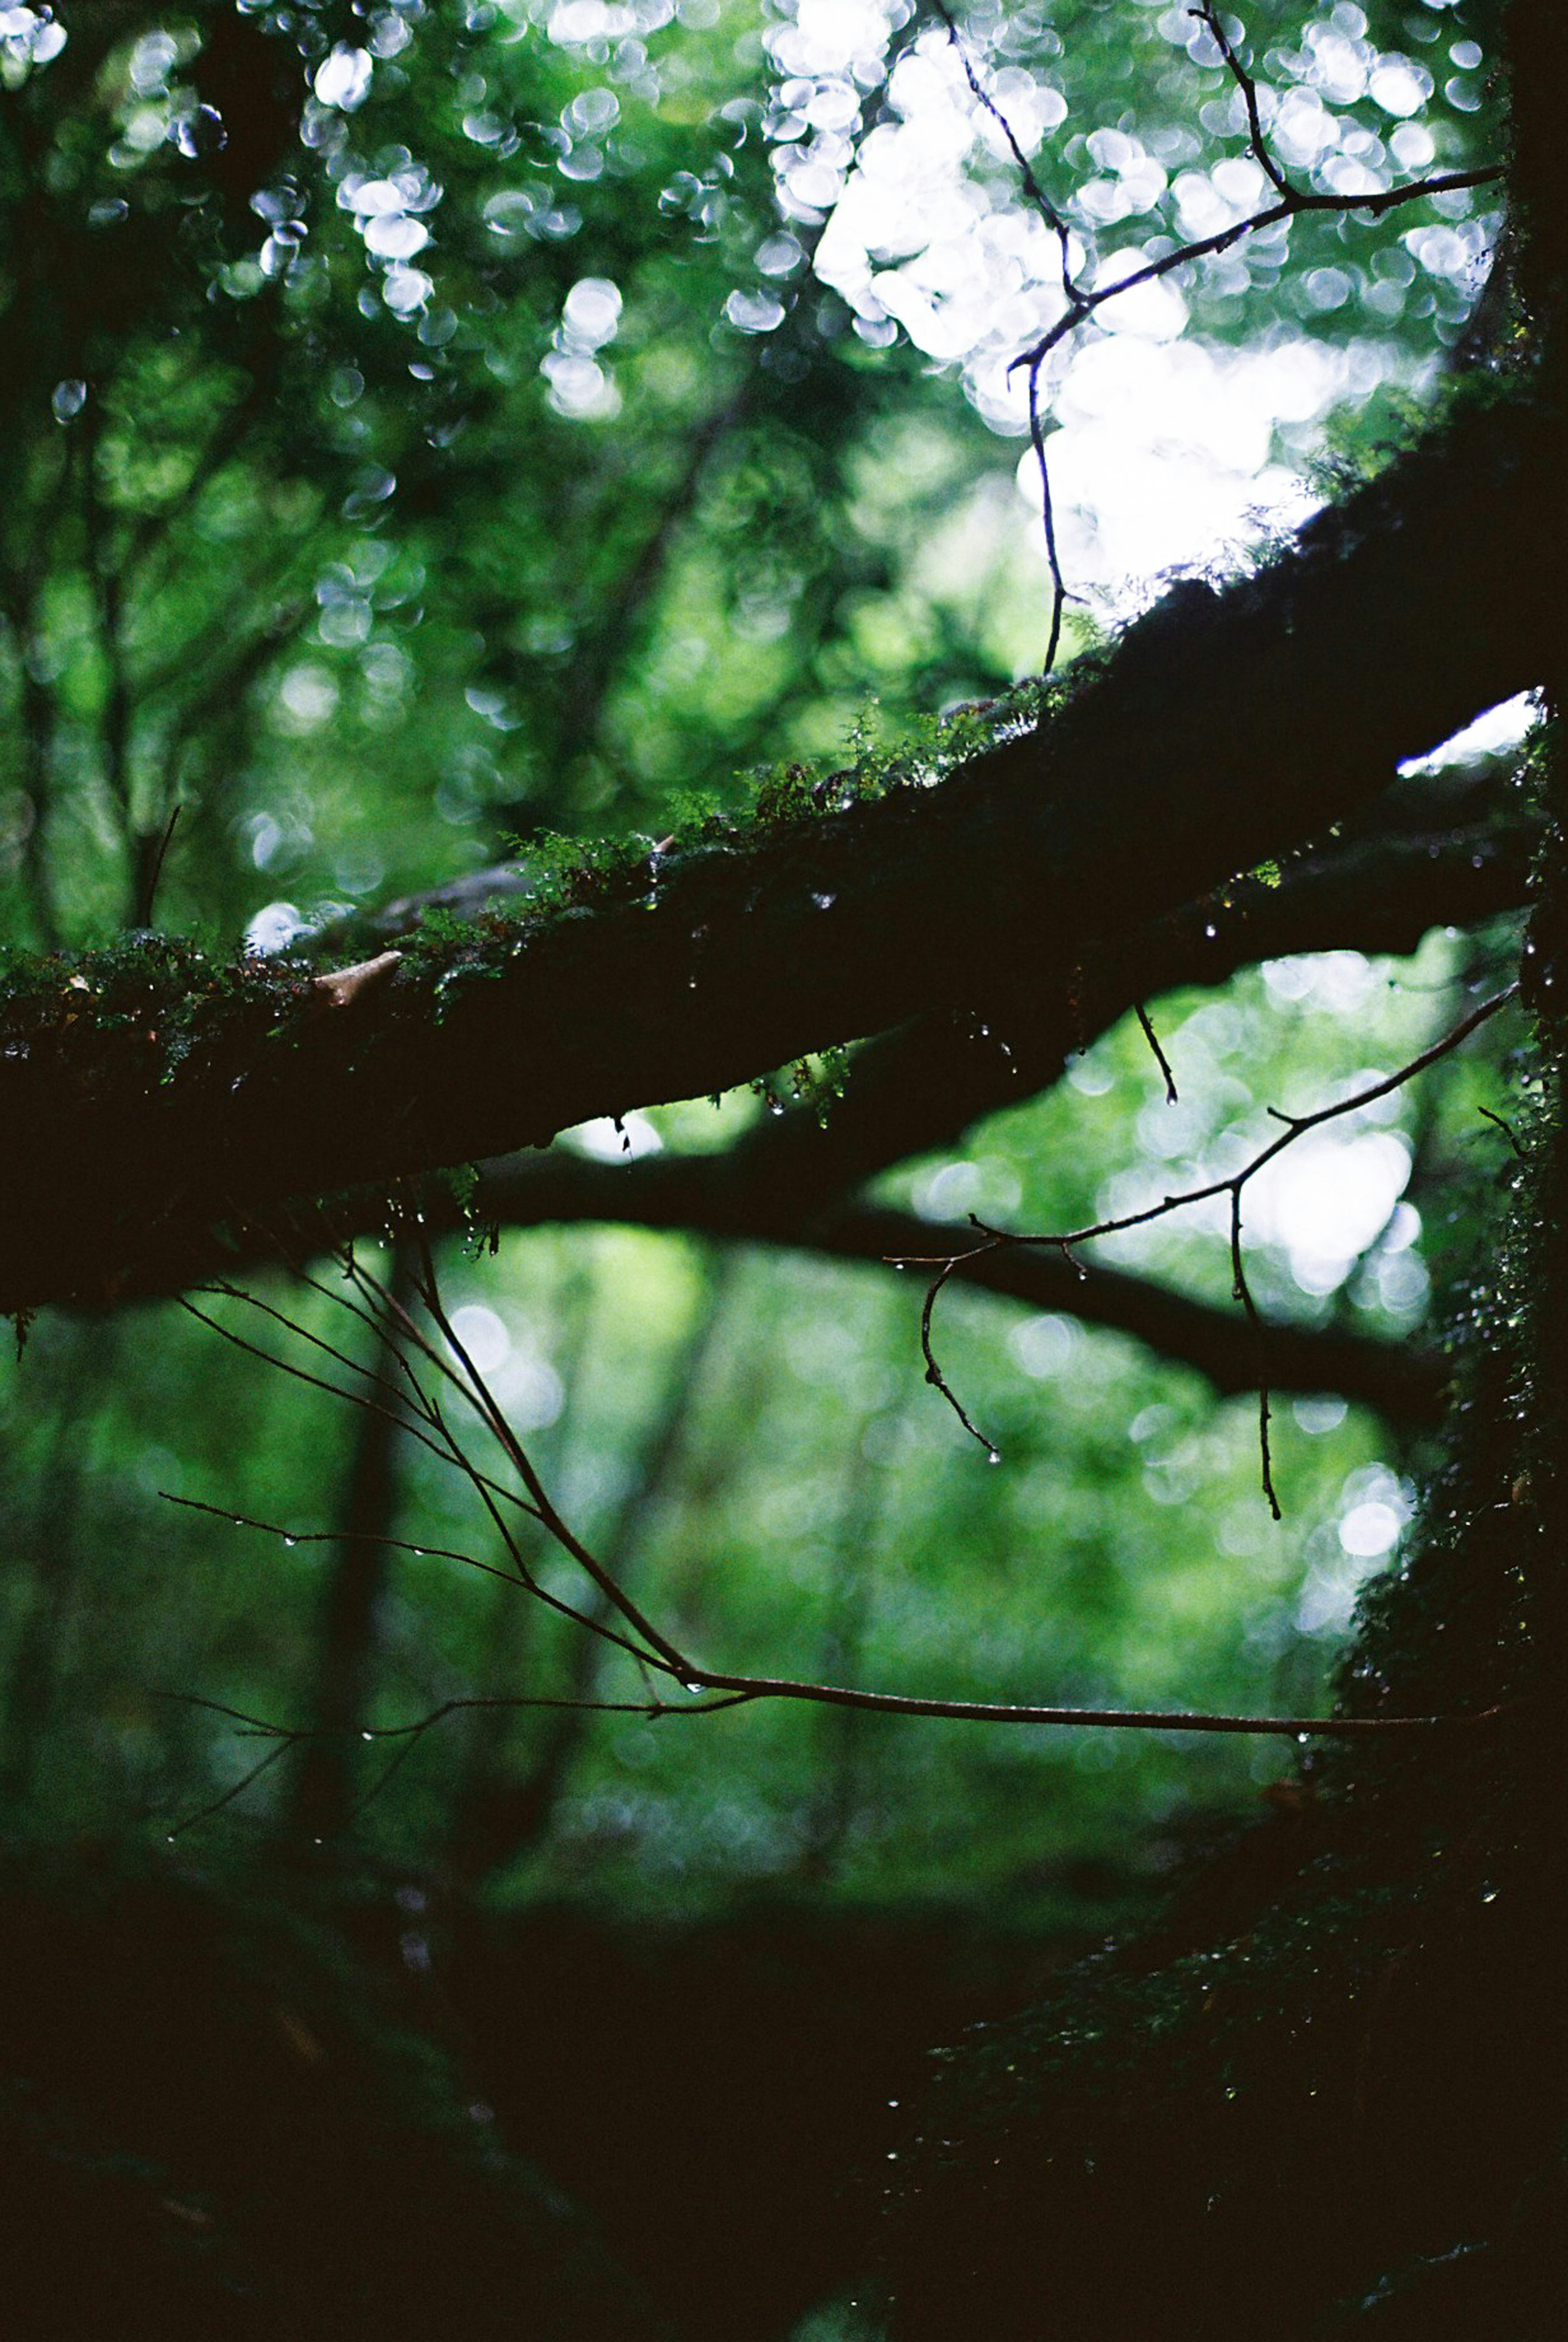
x,y
1226,727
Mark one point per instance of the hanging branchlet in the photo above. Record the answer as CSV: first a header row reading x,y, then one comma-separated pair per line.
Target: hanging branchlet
x,y
1295,1126
676,1682
1146,1026
1080,303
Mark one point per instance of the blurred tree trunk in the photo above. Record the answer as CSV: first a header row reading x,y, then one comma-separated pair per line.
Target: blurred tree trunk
x,y
324,1785
858,1536
51,1559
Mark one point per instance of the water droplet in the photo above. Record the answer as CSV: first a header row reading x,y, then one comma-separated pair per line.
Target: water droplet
x,y
1211,932
1489,1895
893,2102
290,1540
367,1736
994,1455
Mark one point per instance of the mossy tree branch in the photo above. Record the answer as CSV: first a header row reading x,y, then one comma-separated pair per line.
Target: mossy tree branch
x,y
1225,727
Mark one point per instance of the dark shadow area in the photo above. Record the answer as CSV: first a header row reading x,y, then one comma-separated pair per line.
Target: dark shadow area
x,y
262,2108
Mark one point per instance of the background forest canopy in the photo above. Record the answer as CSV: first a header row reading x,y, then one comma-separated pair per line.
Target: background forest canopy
x,y
547,489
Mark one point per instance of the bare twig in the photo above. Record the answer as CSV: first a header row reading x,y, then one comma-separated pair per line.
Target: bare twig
x,y
1146,1026
1080,303
743,1691
1243,1292
1509,1133
335,1537
156,869
440,1439
1295,1126
315,1382
1249,90
1031,185
285,1737
668,1658
657,1656
1059,594
933,1374
205,1813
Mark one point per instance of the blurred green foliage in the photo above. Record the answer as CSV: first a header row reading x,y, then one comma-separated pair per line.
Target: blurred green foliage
x,y
424,428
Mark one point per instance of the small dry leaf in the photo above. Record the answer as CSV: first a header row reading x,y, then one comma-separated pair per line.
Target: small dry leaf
x,y
344,985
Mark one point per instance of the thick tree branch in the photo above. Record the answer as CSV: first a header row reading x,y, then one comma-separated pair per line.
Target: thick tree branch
x,y
1224,727
923,1086
1402,1384
782,1184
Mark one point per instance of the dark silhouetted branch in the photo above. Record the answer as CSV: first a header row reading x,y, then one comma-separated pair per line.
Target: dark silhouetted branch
x,y
1082,303
1231,1188
1156,777
786,1181
661,1660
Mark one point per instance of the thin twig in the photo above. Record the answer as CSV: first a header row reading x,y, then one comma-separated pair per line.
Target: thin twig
x,y
529,1583
1080,305
708,1689
1032,187
205,1813
319,1382
1153,1038
336,1536
933,1374
1385,199
1509,1133
1249,90
443,1442
156,872
1059,595
662,1652
221,1290
1077,308
1243,1292
743,1691
1295,1126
